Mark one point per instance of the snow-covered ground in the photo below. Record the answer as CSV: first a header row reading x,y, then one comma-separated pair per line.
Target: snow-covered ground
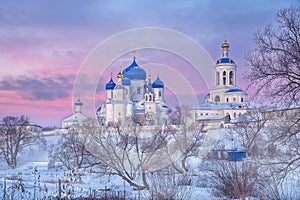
x,y
33,180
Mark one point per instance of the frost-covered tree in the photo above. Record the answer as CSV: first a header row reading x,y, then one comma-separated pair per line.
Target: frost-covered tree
x,y
133,151
130,152
187,137
274,70
274,66
234,180
281,151
71,152
15,135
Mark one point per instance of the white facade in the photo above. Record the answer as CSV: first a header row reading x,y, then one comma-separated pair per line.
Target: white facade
x,y
225,98
133,99
77,118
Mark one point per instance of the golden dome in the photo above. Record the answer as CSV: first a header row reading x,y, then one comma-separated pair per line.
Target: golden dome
x,y
225,46
120,75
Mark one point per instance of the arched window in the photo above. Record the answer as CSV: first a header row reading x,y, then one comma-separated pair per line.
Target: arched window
x,y
242,99
227,99
146,97
234,115
159,93
224,78
231,78
217,98
150,97
217,78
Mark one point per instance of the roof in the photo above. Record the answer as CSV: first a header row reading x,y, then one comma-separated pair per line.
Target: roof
x,y
235,90
158,83
216,106
211,117
110,85
76,117
126,81
78,103
225,61
134,72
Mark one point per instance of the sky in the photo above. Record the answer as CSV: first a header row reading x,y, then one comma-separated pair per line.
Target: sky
x,y
44,43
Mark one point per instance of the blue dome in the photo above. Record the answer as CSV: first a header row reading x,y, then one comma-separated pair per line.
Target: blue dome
x,y
225,61
134,72
234,90
110,85
126,81
158,83
133,64
78,103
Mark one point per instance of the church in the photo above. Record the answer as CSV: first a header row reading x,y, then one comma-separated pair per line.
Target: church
x,y
225,101
133,97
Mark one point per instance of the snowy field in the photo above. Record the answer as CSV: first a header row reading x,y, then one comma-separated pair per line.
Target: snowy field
x,y
33,180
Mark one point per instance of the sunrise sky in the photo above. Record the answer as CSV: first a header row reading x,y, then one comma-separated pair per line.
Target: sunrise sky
x,y
44,43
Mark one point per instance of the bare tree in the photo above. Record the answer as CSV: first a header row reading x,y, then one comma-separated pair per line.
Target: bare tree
x,y
71,152
249,129
131,152
235,180
15,135
281,151
187,137
274,66
170,186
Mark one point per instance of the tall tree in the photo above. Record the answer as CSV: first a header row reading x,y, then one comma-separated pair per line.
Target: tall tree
x,y
15,135
274,66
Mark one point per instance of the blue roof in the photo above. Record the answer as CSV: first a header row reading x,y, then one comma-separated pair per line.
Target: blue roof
x,y
133,64
126,81
224,60
110,85
78,102
134,72
234,90
157,83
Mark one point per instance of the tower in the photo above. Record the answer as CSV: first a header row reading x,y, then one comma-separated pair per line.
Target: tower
x,y
225,68
109,88
78,106
158,89
150,105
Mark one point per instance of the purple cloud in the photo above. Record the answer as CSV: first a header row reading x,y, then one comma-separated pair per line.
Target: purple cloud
x,y
45,88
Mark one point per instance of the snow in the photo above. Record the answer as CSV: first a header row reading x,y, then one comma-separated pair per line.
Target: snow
x,y
33,180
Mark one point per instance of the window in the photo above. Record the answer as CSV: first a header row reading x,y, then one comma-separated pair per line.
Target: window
x,y
150,97
224,78
234,99
146,97
217,99
242,99
231,78
217,78
234,115
139,90
159,93
227,99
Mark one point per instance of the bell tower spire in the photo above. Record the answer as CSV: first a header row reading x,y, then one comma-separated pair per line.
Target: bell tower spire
x,y
225,49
